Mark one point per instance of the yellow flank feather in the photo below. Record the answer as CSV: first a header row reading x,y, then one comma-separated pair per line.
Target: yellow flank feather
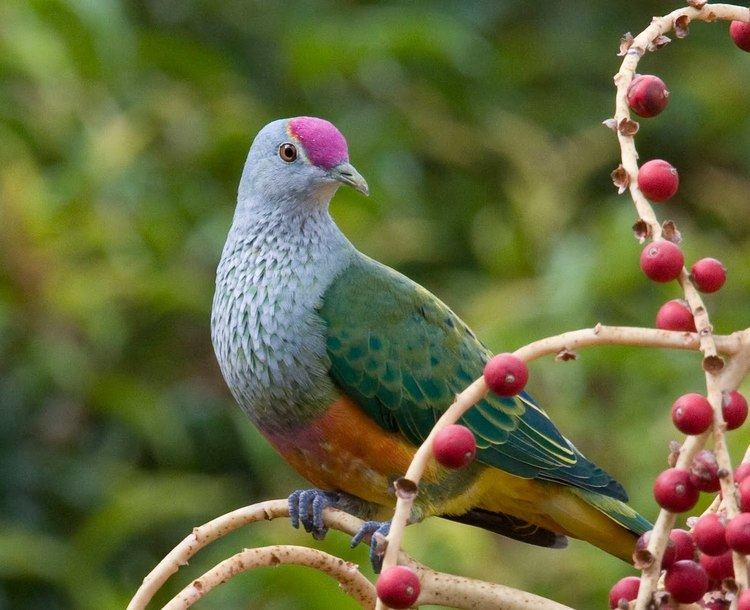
x,y
549,505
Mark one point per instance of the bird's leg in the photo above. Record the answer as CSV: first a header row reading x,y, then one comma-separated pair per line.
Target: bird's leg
x,y
306,507
377,530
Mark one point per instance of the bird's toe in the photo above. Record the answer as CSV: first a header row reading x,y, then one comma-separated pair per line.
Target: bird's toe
x,y
306,507
377,530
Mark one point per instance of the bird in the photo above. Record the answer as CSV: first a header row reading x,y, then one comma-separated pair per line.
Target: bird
x,y
344,365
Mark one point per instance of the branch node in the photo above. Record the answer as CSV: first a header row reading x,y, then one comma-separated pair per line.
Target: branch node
x,y
713,364
670,232
674,453
681,26
659,42
642,230
642,559
620,178
406,489
628,127
625,43
565,354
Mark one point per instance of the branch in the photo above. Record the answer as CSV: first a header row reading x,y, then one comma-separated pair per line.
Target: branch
x,y
437,587
352,581
221,526
712,363
625,335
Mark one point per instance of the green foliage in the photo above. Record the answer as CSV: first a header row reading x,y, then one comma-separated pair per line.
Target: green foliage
x,y
123,130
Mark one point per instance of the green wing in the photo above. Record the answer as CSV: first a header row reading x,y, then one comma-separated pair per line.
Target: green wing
x,y
403,355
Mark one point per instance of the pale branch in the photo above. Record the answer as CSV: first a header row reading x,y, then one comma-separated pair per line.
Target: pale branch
x,y
458,591
626,336
351,580
640,44
712,363
725,465
221,526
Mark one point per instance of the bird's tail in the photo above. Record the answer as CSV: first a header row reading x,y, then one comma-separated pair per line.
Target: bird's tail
x,y
606,522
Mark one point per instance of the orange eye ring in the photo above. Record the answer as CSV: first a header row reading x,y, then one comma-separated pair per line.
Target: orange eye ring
x,y
288,152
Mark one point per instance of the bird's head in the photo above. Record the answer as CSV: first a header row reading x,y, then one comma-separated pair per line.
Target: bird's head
x,y
299,159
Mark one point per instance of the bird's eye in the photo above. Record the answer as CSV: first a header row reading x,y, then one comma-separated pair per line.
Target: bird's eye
x,y
288,152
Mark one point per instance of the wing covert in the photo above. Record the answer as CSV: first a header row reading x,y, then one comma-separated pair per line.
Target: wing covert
x,y
402,355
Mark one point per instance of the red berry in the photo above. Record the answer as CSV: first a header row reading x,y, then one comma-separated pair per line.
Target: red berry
x,y
719,567
740,33
738,533
647,95
506,374
624,589
743,495
692,414
675,315
704,471
741,472
708,274
669,556
709,535
686,581
734,409
674,491
454,446
658,180
662,261
744,601
398,587
684,546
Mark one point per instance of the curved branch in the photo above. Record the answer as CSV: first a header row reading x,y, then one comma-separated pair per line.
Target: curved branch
x,y
458,591
625,335
712,363
352,581
221,526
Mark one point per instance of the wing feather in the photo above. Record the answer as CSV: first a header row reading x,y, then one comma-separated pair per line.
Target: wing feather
x,y
402,355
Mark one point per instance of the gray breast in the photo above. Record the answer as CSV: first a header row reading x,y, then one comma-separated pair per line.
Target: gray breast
x,y
268,338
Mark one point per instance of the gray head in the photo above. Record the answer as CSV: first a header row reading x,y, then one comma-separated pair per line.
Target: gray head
x,y
302,159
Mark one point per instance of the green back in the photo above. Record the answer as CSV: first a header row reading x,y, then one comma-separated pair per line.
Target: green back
x,y
403,355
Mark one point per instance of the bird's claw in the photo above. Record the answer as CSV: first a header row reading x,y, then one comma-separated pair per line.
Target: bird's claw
x,y
306,507
377,530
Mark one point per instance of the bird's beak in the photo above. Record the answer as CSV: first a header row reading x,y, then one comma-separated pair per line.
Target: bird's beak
x,y
346,174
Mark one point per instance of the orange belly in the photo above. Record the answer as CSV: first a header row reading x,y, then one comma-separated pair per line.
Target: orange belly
x,y
345,450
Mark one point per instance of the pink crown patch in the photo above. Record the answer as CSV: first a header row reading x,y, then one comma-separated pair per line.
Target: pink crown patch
x,y
323,143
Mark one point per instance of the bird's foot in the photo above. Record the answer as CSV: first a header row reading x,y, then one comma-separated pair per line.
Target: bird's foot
x,y
306,507
377,530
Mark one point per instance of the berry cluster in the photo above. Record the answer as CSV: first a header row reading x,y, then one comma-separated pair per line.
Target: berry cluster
x,y
697,561
663,260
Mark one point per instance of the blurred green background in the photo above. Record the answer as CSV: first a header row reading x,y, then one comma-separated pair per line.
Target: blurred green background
x,y
123,130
